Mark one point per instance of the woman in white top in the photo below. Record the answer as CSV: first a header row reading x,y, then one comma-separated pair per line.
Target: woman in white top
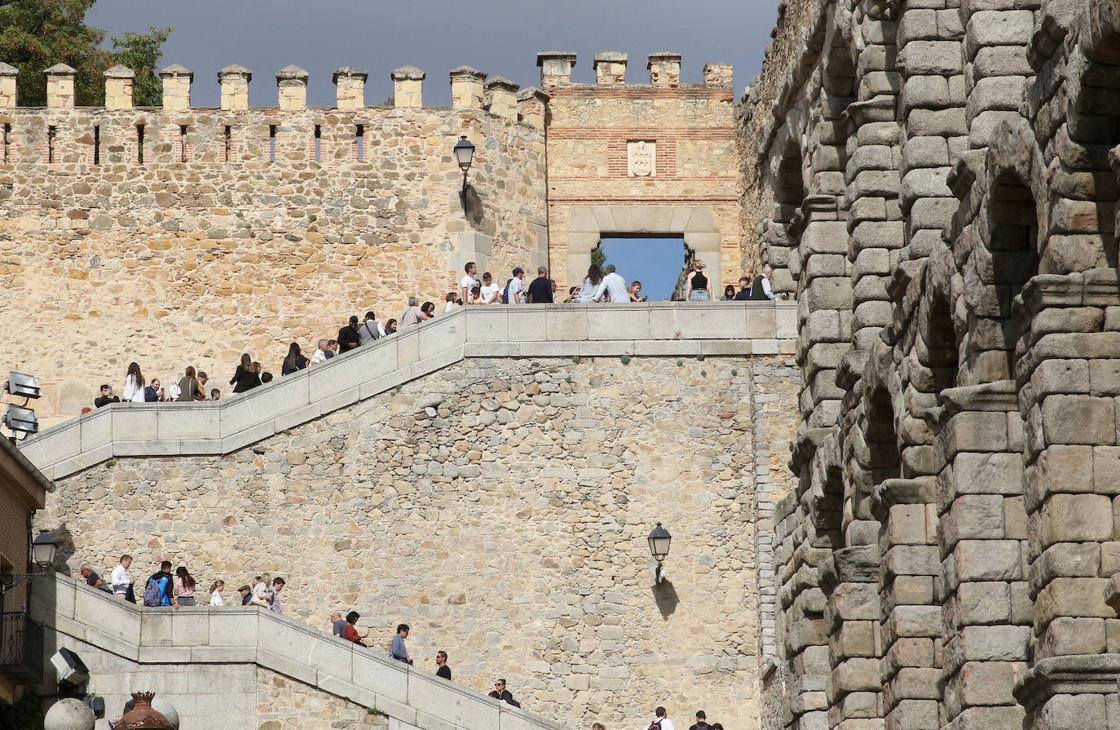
x,y
590,284
134,384
216,593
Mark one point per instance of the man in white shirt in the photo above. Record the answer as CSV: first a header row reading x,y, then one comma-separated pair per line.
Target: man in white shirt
x,y
614,286
516,287
490,293
661,719
120,579
468,281
321,355
761,289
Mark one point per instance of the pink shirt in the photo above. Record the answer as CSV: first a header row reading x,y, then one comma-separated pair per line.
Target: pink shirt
x,y
180,589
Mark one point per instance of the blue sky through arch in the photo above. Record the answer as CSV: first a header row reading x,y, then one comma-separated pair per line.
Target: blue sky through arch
x,y
656,262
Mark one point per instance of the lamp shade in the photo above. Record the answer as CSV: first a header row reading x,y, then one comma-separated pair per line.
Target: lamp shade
x,y
43,549
464,153
659,539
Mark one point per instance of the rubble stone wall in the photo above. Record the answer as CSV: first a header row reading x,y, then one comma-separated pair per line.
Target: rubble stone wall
x,y
500,507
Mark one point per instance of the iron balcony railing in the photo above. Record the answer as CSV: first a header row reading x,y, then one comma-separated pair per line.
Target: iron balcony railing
x,y
21,647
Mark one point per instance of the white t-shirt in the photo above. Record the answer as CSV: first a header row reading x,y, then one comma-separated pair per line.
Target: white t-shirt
x,y
516,286
614,285
468,282
488,293
318,357
119,578
216,599
665,723
450,307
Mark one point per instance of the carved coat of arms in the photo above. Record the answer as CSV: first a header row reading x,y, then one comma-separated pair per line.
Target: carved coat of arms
x,y
641,158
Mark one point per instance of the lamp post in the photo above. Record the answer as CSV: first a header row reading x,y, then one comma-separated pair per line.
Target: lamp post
x,y
43,550
464,155
659,540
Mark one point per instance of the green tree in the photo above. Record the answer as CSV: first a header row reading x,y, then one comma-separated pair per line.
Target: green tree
x,y
37,34
141,53
598,256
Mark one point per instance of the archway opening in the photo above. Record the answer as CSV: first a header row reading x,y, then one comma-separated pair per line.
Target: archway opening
x,y
1013,244
656,261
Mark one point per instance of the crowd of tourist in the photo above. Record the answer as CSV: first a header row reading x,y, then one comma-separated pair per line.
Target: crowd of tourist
x,y
179,589
600,285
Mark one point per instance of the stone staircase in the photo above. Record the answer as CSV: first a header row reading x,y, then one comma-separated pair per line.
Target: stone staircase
x,y
139,648
668,329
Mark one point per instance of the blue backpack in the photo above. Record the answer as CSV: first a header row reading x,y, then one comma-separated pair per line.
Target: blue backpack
x,y
153,593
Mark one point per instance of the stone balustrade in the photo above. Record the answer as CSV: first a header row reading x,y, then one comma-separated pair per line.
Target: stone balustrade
x,y
150,640
638,330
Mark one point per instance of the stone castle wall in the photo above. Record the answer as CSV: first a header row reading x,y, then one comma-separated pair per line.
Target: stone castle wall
x,y
500,507
243,230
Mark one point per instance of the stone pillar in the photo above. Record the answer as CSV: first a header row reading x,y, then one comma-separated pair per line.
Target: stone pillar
x,y
118,88
408,87
60,86
610,68
467,90
719,75
291,83
665,69
234,81
532,106
350,87
911,612
985,549
801,628
1069,374
849,580
501,97
176,87
556,68
8,76
826,300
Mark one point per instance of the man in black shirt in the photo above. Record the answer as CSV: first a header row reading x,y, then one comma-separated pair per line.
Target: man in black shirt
x,y
540,289
444,670
349,337
106,397
701,722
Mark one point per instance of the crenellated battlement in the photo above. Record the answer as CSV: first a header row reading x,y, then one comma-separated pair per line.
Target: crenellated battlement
x,y
470,89
664,69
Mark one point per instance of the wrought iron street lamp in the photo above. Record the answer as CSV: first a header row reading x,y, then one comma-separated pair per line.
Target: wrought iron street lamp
x,y
464,155
659,540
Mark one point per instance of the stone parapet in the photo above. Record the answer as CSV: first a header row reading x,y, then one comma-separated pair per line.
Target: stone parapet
x,y
176,87
408,87
149,638
664,69
291,83
655,330
610,68
118,88
350,87
8,75
60,86
467,87
556,68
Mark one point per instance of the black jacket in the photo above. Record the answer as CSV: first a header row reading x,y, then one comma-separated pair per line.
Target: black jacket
x,y
505,696
348,339
244,380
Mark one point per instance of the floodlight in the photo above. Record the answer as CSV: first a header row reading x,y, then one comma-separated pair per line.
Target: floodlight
x,y
22,385
21,420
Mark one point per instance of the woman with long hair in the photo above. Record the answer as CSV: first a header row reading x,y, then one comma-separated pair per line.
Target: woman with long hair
x,y
295,361
245,377
189,388
589,285
134,384
184,587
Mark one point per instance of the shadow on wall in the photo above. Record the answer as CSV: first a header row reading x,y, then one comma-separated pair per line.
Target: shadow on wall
x,y
472,205
665,593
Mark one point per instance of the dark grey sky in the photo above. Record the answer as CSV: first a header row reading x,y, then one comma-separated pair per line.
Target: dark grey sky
x,y
500,37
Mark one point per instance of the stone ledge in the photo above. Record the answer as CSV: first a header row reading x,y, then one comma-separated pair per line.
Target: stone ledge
x,y
639,330
1078,674
157,636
